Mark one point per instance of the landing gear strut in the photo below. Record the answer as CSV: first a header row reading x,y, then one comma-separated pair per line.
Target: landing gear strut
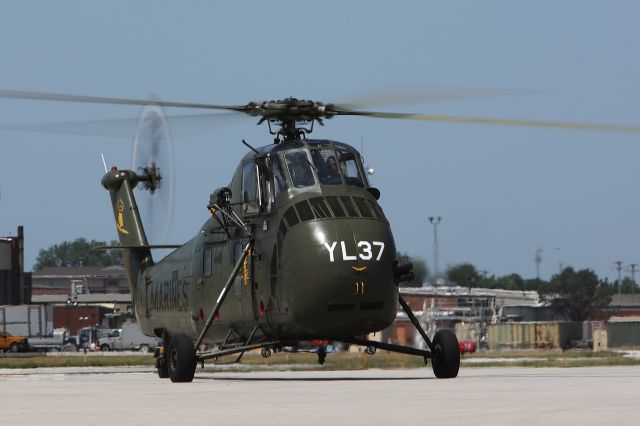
x,y
443,352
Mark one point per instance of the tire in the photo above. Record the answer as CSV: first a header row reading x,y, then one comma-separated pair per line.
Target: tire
x,y
69,347
161,365
144,349
105,348
13,348
445,355
181,359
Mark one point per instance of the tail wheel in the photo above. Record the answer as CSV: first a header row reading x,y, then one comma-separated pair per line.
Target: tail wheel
x,y
445,355
181,358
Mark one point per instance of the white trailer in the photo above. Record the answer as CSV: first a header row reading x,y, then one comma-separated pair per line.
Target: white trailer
x,y
27,320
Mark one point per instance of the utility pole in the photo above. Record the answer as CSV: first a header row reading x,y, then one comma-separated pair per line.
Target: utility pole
x,y
484,273
435,221
560,268
537,258
633,267
618,264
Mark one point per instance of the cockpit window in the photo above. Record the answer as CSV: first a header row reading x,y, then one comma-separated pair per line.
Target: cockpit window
x,y
349,168
299,169
326,166
279,181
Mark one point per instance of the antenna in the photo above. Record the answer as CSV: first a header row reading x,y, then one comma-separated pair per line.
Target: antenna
x,y
368,170
104,163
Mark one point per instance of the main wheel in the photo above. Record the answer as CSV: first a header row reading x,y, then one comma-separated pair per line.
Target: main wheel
x,y
181,358
445,355
104,348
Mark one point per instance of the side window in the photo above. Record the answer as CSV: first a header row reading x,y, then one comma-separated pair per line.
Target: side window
x,y
207,268
299,169
249,188
326,166
349,168
279,181
265,193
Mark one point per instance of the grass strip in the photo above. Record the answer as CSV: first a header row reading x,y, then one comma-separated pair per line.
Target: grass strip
x,y
345,360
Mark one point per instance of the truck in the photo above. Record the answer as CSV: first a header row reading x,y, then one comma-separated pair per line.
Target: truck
x,y
9,343
60,341
129,337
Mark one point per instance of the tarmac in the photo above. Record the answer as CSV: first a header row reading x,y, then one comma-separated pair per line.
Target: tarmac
x,y
495,396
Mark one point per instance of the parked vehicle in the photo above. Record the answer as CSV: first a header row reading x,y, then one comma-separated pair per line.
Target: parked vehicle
x,y
60,341
9,343
129,337
86,339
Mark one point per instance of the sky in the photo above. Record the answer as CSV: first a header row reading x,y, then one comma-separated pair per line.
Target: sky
x,y
501,192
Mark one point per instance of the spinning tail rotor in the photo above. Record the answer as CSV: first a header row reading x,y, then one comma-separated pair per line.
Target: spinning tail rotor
x,y
152,156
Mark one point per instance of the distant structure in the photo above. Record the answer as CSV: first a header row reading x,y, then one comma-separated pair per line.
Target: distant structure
x,y
59,280
476,310
15,284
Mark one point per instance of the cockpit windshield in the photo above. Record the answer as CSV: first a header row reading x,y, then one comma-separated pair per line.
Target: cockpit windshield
x,y
299,168
326,166
349,168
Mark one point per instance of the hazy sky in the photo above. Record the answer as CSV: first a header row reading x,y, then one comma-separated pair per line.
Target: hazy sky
x,y
502,192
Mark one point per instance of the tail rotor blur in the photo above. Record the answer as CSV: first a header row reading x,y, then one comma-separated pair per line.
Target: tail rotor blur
x,y
152,155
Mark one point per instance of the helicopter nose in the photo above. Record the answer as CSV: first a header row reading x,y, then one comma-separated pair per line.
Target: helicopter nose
x,y
340,275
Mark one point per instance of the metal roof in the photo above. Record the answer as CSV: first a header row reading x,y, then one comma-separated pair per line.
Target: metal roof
x,y
83,299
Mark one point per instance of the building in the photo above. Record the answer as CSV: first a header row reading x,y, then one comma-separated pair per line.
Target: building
x,y
83,310
15,284
80,280
617,332
83,296
451,306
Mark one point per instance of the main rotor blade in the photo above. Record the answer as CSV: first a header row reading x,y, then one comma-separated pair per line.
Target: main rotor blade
x,y
496,121
58,97
408,96
180,125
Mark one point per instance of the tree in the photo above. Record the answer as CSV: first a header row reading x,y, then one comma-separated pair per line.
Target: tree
x,y
464,274
575,294
420,270
79,252
628,286
508,282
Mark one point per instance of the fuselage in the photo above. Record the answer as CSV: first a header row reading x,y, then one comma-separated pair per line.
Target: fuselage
x,y
322,264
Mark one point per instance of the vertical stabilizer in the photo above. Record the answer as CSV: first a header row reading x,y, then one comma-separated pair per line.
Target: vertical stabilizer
x,y
120,184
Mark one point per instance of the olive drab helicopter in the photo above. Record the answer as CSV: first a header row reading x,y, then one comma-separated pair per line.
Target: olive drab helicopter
x,y
296,248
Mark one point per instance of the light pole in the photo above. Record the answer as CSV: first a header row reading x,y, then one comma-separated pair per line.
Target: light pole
x,y
537,258
435,221
619,264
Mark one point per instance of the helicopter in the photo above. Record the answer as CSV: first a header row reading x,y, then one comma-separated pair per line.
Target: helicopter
x,y
296,248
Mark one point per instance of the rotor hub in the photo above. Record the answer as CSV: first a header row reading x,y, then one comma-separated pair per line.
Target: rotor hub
x,y
292,117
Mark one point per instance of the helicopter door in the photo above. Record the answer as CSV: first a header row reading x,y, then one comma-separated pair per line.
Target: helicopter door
x,y
243,286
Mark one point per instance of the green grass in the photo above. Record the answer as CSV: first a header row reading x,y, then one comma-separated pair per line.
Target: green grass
x,y
345,360
75,361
